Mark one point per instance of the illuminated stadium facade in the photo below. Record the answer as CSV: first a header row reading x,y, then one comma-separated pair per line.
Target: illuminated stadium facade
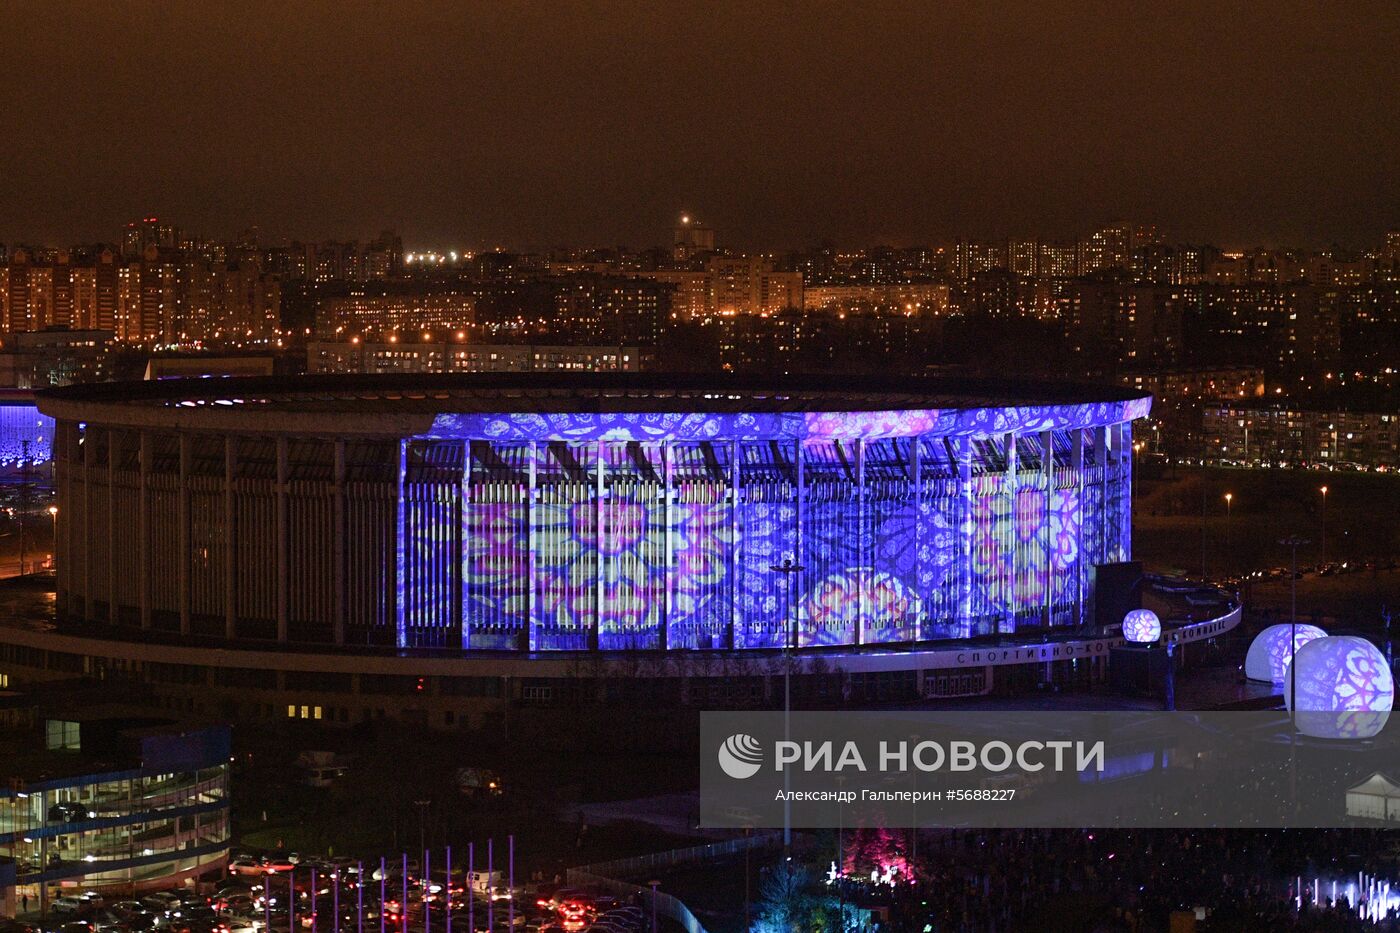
x,y
608,515
26,436
431,547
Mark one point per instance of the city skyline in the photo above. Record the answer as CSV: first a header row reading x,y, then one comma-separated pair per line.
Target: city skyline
x,y
531,127
666,236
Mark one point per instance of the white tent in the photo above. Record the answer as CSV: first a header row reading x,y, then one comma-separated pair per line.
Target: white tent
x,y
1376,798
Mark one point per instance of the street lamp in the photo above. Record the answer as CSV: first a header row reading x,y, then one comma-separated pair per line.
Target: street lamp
x,y
1293,542
1323,490
1229,498
53,513
1137,449
789,569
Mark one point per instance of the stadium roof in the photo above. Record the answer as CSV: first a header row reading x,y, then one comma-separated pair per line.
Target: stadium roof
x,y
524,392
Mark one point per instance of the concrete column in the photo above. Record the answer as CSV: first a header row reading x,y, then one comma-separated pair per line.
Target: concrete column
x,y
62,441
89,551
531,530
1047,465
1010,479
595,636
791,588
962,451
669,494
114,439
863,580
1101,436
338,540
400,552
283,537
916,455
230,538
183,535
143,528
735,501
1077,464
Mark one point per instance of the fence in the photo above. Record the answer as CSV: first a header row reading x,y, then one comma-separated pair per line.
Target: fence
x,y
607,875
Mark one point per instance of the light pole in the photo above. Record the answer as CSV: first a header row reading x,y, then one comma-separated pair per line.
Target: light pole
x,y
1229,498
422,806
1293,541
1137,449
53,513
1323,490
789,569
1203,528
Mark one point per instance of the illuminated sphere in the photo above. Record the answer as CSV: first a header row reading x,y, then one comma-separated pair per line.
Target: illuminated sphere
x,y
1142,626
1340,673
1268,656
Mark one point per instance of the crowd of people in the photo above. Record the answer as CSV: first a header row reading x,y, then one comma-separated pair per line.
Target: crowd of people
x,y
1132,881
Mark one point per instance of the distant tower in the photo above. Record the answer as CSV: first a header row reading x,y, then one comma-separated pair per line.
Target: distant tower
x,y
692,238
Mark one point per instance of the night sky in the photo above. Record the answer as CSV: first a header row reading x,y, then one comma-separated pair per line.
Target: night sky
x,y
532,125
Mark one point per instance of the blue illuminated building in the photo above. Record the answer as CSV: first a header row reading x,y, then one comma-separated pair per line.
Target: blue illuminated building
x,y
25,434
605,513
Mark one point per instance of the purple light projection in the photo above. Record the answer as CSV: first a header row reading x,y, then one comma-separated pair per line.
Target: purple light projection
x,y
613,531
1269,655
1142,626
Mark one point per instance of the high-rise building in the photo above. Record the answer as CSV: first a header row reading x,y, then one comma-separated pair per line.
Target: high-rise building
x,y
1108,248
148,231
1057,260
691,239
749,285
1023,257
972,257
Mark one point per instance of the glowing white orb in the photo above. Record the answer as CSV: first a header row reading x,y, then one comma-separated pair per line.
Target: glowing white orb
x,y
1142,626
1269,654
1339,673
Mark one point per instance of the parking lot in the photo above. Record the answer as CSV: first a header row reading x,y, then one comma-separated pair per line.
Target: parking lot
x,y
284,892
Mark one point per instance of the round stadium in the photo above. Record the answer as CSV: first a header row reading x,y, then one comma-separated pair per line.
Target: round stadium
x,y
481,527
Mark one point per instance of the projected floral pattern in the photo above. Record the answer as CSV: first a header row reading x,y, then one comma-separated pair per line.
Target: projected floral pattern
x,y
693,426
1065,527
1269,656
898,561
879,600
1340,673
991,550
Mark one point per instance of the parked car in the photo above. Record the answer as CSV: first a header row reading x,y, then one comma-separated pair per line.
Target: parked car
x,y
245,866
160,902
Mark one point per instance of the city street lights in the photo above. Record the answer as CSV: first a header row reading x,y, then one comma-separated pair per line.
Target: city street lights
x,y
1323,490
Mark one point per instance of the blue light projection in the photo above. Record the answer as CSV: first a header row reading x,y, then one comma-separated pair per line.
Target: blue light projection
x,y
573,427
607,531
24,433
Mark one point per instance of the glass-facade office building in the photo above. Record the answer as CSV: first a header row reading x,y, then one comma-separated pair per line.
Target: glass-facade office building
x,y
107,805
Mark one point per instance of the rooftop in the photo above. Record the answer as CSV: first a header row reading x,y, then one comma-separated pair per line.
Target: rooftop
x,y
589,393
